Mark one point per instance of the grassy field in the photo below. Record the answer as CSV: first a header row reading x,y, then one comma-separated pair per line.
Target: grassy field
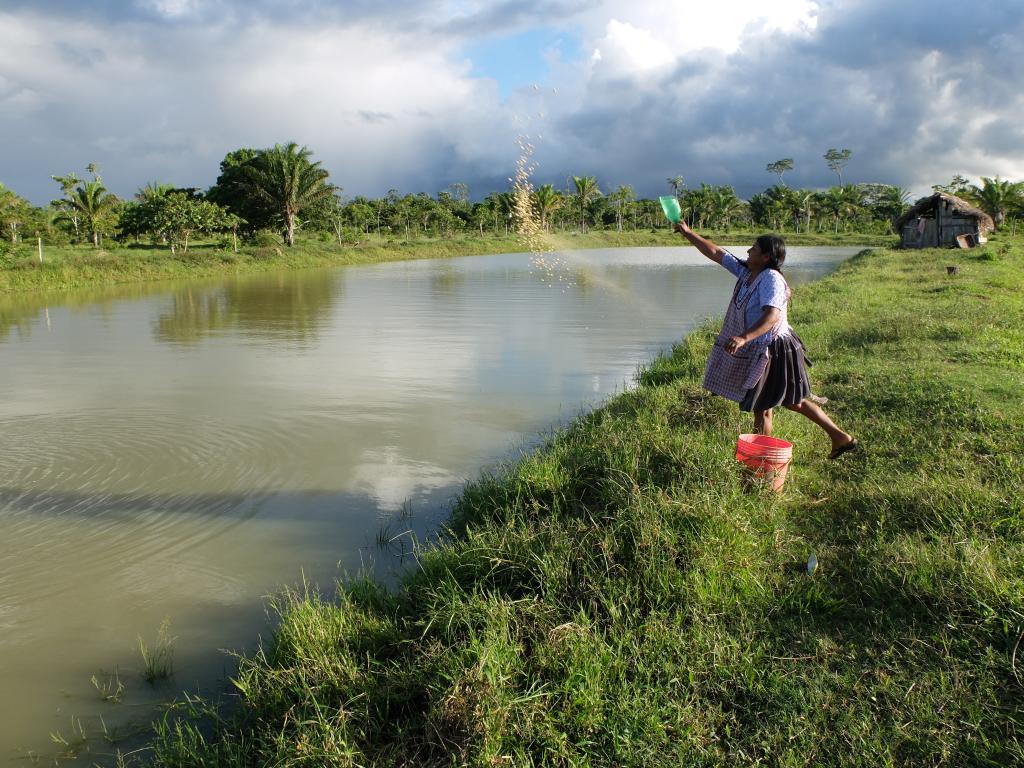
x,y
85,266
617,598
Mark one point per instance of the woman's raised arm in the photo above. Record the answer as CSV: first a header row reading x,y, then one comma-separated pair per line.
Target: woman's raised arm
x,y
702,244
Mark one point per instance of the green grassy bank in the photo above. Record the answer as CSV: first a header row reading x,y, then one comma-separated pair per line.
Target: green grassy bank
x,y
64,268
618,599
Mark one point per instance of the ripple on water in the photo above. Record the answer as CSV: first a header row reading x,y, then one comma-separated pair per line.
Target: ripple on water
x,y
105,492
103,455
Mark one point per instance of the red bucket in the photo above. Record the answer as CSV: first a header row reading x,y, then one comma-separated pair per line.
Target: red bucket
x,y
765,459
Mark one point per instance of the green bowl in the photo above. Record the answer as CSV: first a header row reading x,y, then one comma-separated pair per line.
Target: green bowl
x,y
670,206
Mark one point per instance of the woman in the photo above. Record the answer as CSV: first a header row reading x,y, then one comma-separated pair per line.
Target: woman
x,y
757,360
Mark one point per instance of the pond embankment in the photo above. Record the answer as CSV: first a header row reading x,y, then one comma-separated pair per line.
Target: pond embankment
x,y
617,598
64,268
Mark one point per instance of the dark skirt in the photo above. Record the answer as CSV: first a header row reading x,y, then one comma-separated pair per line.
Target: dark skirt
x,y
784,381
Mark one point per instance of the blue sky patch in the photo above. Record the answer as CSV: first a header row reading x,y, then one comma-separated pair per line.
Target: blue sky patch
x,y
519,60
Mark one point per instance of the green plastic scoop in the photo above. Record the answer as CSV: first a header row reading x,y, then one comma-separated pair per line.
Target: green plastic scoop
x,y
670,206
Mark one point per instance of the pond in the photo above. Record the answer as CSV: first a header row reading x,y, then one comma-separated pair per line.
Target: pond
x,y
179,452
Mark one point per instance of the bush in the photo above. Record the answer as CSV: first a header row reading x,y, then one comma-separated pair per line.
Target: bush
x,y
266,253
12,255
264,238
15,261
99,256
52,237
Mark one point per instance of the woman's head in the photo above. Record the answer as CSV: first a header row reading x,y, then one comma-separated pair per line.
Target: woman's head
x,y
770,248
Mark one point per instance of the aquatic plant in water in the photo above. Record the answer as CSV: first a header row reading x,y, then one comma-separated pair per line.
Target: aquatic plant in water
x,y
158,661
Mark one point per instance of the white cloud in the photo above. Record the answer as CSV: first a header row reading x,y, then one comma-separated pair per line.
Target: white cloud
x,y
390,478
628,50
668,25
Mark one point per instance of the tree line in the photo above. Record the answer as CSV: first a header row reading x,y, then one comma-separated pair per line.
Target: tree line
x,y
272,194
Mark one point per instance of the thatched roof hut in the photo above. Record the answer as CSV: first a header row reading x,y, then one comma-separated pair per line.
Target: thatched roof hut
x,y
938,220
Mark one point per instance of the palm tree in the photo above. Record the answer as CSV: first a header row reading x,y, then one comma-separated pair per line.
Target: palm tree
x,y
781,202
996,197
796,204
855,200
841,202
506,207
698,203
831,201
723,205
761,209
586,189
62,212
284,179
890,202
152,191
90,203
676,184
621,197
546,200
786,203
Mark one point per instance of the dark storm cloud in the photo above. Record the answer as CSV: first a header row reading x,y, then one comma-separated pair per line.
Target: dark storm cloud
x,y
194,13
899,84
1003,138
503,18
483,19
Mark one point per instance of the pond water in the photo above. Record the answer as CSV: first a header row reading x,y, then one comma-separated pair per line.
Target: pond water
x,y
180,451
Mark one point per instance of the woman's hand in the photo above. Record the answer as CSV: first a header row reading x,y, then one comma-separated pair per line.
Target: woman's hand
x,y
734,344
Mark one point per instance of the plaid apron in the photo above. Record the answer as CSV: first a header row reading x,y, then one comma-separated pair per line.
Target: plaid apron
x,y
732,375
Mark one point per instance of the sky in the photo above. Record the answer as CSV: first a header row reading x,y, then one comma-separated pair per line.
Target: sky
x,y
416,96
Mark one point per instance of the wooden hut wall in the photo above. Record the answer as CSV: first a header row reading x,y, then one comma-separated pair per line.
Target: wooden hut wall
x,y
942,224
957,225
949,223
914,238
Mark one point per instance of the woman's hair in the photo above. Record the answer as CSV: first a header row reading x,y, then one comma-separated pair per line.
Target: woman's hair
x,y
775,248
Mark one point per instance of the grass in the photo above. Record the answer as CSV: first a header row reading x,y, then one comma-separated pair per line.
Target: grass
x,y
616,598
71,746
158,661
110,689
83,266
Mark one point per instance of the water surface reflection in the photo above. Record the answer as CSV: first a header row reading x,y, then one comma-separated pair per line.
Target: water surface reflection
x,y
289,307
